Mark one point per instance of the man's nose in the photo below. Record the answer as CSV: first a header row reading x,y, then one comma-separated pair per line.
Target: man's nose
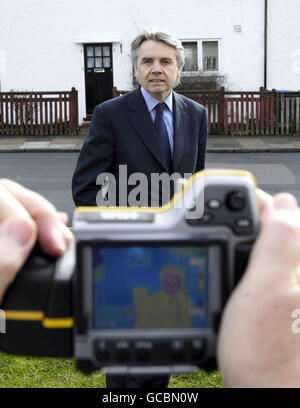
x,y
156,67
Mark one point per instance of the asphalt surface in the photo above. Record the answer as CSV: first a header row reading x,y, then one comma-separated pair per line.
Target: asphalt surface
x,y
46,164
50,174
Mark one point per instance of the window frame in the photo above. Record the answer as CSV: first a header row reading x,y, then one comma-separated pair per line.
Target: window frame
x,y
189,42
93,57
199,42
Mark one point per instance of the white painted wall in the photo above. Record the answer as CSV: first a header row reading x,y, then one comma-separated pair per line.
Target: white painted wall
x,y
39,38
284,45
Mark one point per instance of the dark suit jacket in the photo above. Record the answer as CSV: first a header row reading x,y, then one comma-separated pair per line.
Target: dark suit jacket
x,y
122,133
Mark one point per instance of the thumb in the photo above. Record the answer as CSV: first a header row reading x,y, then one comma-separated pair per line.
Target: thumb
x,y
17,238
277,249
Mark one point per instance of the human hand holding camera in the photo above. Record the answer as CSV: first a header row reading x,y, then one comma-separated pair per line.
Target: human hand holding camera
x,y
27,217
256,346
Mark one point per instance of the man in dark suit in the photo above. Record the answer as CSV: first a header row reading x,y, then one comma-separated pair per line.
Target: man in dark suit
x,y
150,130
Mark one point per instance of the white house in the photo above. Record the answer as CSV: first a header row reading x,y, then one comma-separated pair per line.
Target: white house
x,y
51,45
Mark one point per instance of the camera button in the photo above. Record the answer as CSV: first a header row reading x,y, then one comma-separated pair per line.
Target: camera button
x,y
177,350
143,350
177,355
143,355
123,356
243,226
206,218
123,351
103,356
198,344
101,352
214,204
198,349
243,223
236,200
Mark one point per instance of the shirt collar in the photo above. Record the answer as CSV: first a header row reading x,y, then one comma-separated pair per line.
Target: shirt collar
x,y
151,102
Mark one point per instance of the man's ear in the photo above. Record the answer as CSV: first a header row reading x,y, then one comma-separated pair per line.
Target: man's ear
x,y
135,72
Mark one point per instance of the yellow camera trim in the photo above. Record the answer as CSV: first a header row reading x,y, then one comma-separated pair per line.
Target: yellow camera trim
x,y
37,315
177,196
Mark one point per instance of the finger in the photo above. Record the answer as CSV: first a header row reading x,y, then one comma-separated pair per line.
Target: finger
x,y
276,251
285,201
17,238
34,203
18,233
10,207
63,217
54,237
265,200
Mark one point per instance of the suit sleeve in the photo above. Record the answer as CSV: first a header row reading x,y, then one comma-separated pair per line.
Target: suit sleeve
x,y
96,157
202,141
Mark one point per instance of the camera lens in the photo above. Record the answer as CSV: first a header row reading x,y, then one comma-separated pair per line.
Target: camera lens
x,y
236,200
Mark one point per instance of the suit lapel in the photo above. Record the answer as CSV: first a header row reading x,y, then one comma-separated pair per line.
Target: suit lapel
x,y
140,119
181,128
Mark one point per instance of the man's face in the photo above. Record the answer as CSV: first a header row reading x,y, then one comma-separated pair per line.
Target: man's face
x,y
171,282
157,69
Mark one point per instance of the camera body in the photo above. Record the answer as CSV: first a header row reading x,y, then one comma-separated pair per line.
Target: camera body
x,y
143,289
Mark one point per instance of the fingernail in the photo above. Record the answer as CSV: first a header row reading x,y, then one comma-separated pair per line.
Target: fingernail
x,y
68,234
59,240
21,231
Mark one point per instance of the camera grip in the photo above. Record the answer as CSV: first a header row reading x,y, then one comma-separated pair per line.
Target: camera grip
x,y
26,303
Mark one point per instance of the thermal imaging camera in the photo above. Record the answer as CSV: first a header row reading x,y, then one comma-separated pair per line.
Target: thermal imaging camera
x,y
141,290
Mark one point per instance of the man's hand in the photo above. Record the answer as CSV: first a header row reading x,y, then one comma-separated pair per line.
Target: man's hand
x,y
25,217
257,347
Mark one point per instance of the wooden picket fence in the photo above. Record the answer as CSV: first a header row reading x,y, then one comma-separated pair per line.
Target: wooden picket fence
x,y
249,113
39,113
230,113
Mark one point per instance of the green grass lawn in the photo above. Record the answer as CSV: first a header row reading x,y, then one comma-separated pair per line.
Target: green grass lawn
x,y
32,372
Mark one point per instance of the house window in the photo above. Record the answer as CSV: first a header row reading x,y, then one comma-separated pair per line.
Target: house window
x,y
98,56
210,64
210,55
191,56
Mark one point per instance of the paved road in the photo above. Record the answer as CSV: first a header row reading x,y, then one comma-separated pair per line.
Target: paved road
x,y
274,172
50,173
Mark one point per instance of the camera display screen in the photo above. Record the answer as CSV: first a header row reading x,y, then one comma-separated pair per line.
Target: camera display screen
x,y
138,287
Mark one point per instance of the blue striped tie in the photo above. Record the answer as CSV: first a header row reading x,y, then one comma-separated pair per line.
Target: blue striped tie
x,y
162,132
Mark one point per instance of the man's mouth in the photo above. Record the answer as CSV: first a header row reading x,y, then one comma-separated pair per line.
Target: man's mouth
x,y
156,80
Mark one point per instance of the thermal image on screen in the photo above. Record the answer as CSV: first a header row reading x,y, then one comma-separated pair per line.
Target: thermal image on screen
x,y
150,287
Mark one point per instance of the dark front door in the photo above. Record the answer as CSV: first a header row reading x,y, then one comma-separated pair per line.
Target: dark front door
x,y
98,75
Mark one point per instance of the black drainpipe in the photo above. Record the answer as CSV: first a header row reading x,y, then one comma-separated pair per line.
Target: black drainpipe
x,y
266,44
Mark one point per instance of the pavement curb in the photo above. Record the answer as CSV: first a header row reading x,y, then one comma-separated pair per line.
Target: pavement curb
x,y
216,144
39,150
254,150
209,150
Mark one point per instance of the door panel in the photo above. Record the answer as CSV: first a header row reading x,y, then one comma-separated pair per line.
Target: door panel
x,y
98,74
